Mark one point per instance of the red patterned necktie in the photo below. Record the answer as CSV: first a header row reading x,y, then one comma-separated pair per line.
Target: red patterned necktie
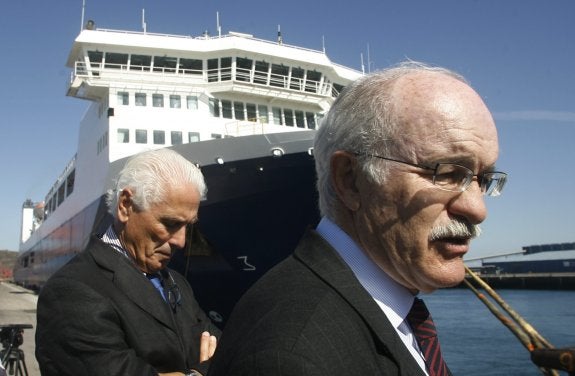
x,y
424,329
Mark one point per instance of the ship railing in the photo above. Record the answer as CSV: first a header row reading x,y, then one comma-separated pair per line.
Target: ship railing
x,y
142,73
240,128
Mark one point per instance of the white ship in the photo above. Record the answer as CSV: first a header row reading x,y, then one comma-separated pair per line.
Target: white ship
x,y
242,108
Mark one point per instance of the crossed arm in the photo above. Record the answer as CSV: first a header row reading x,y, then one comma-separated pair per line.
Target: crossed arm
x,y
208,345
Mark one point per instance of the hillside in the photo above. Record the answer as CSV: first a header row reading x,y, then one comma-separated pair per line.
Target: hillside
x,y
7,261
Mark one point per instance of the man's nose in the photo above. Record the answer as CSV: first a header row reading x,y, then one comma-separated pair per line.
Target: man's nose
x,y
178,238
470,204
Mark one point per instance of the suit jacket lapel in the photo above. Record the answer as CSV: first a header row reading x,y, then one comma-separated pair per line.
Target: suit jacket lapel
x,y
131,282
323,260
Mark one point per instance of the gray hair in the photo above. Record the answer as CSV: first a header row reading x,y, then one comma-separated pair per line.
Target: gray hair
x,y
150,173
363,119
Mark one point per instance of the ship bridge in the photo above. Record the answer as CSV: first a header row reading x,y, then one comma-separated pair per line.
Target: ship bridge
x,y
235,63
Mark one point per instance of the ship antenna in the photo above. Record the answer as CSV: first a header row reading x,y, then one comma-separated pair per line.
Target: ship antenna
x,y
218,24
280,40
362,66
144,20
323,43
368,60
83,11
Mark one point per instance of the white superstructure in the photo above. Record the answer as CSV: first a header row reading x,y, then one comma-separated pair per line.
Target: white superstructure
x,y
154,90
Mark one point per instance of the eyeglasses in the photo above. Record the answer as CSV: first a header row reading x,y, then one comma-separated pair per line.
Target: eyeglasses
x,y
174,296
457,178
172,291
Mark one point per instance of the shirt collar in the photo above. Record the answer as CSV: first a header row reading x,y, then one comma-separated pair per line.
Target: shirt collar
x,y
111,238
394,299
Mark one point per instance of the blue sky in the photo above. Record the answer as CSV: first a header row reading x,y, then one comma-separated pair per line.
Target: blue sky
x,y
518,54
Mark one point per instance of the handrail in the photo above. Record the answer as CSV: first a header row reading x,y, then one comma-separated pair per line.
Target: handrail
x,y
81,69
524,332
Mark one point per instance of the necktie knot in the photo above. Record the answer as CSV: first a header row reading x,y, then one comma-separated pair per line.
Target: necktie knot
x,y
157,282
420,320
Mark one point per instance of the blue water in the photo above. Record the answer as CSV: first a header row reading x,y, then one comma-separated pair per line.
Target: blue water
x,y
474,342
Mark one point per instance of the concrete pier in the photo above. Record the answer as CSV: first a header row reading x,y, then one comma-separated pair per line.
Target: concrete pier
x,y
532,281
18,306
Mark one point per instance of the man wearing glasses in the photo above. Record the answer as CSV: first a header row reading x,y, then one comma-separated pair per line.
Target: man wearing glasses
x,y
404,160
116,309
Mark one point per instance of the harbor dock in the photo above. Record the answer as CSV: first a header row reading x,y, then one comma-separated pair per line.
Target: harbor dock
x,y
18,306
531,281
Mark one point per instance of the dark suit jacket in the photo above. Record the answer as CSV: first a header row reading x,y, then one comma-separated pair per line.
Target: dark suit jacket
x,y
310,316
99,315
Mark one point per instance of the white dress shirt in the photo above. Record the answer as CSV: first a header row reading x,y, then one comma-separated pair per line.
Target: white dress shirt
x,y
394,300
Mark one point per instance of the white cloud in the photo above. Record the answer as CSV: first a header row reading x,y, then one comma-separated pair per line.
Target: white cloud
x,y
561,116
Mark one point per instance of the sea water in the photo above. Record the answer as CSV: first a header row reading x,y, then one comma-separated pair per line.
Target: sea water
x,y
475,342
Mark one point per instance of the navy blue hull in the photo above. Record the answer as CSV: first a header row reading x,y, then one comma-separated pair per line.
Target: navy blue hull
x,y
256,211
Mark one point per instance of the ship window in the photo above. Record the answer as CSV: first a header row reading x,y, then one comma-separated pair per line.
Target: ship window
x,y
176,137
277,115
61,193
123,98
140,62
310,118
239,110
48,209
263,113
116,61
175,101
214,107
159,137
261,72
288,114
251,112
337,89
95,58
216,136
226,64
70,182
279,75
123,135
312,81
296,78
212,70
243,69
140,99
299,119
191,66
158,100
227,109
141,136
165,64
192,102
193,137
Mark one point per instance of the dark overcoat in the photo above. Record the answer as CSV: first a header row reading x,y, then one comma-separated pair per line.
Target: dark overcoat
x,y
99,315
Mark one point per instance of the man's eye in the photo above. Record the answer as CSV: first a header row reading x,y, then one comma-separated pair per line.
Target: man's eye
x,y
173,226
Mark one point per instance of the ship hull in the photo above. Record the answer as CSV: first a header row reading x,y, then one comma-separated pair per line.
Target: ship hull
x,y
259,204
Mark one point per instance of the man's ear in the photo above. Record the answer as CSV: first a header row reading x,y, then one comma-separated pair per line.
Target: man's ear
x,y
125,205
344,172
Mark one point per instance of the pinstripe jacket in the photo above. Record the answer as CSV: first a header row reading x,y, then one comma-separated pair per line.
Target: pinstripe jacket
x,y
309,316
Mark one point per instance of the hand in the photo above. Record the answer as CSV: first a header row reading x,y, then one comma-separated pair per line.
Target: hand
x,y
208,345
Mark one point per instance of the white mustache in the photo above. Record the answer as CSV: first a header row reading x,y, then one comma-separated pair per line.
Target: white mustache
x,y
455,229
